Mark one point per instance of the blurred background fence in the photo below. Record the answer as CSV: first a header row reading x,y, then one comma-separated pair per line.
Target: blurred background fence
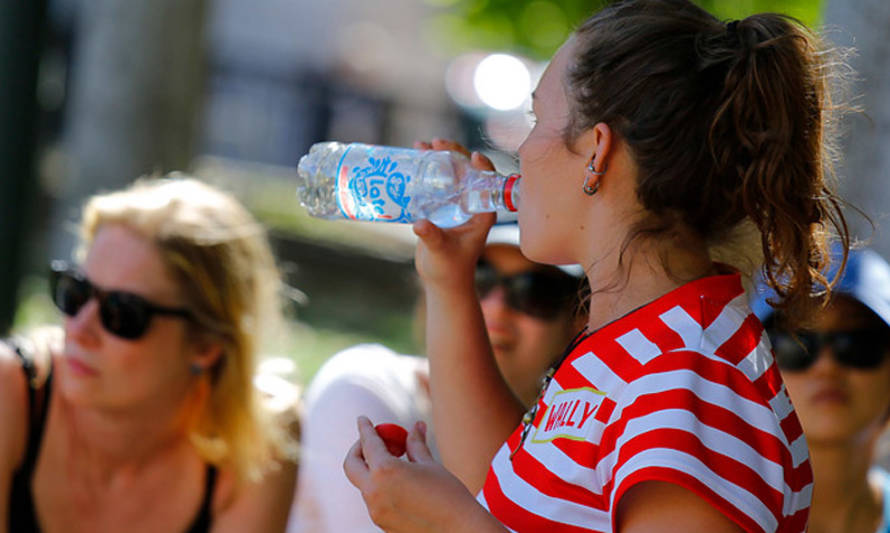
x,y
94,93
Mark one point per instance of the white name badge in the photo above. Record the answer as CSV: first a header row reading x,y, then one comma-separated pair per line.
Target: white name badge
x,y
570,415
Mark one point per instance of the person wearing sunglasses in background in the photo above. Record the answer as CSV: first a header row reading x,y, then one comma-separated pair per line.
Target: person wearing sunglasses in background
x,y
837,371
531,312
144,416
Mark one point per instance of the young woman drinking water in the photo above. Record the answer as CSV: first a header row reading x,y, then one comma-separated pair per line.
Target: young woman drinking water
x,y
660,133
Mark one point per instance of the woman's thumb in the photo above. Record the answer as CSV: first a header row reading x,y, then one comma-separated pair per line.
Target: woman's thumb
x,y
418,451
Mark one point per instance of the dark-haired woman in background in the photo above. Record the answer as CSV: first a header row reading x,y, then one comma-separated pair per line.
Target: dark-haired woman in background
x,y
661,132
837,369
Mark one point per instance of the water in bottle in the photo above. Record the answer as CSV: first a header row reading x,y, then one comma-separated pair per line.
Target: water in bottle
x,y
387,184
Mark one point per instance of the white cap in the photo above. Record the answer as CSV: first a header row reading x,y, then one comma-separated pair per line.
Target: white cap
x,y
509,234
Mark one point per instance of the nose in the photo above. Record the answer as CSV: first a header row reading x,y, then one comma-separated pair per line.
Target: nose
x,y
82,327
825,361
494,302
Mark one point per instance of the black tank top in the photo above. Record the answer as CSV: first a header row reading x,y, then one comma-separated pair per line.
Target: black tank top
x,y
22,514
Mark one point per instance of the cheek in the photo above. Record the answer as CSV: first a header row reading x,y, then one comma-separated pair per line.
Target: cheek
x,y
155,362
541,341
872,391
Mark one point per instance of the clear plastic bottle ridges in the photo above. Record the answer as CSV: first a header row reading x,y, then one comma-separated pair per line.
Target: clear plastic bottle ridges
x,y
387,184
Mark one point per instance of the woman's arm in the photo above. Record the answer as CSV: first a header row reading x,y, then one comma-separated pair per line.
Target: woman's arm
x,y
661,507
474,410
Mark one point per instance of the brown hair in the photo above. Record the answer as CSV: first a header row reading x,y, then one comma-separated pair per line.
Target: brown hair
x,y
726,123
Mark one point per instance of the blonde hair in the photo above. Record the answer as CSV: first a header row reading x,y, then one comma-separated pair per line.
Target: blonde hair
x,y
221,259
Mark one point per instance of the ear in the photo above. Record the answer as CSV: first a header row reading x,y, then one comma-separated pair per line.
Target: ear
x,y
597,143
206,355
602,145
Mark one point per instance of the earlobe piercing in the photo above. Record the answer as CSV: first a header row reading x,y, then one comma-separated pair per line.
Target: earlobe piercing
x,y
589,189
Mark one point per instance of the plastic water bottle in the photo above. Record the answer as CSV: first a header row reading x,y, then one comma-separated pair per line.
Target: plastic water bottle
x,y
387,184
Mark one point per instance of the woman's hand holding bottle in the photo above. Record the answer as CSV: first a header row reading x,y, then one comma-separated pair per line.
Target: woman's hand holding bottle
x,y
446,258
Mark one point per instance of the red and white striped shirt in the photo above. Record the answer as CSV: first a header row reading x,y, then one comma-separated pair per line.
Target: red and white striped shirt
x,y
683,390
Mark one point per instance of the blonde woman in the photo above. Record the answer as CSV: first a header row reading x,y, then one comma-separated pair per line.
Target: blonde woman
x,y
144,417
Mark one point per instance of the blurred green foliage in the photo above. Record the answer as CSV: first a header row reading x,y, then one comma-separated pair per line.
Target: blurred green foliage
x,y
536,28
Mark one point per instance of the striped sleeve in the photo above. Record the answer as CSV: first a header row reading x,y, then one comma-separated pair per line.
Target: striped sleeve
x,y
700,423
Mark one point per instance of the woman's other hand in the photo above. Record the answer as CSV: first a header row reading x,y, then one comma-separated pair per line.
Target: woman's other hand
x,y
413,495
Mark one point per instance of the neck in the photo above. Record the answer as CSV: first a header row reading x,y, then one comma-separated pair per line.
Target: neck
x,y
619,284
107,441
842,497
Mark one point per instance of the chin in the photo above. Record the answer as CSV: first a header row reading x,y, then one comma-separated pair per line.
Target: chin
x,y
78,391
830,432
75,392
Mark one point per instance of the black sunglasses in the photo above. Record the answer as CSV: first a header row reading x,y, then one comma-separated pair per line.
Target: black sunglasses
x,y
863,349
123,314
537,293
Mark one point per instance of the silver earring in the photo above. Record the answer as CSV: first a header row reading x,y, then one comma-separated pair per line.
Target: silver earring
x,y
589,189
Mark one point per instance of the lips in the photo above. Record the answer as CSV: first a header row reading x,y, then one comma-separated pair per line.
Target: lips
x,y
499,339
830,395
80,368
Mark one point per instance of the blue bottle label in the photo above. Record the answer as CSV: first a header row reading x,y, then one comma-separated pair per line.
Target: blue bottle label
x,y
372,182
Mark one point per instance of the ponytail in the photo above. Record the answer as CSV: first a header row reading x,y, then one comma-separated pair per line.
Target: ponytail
x,y
770,130
727,125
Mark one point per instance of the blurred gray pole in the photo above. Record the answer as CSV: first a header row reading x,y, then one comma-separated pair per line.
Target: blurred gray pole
x,y
135,106
865,173
21,33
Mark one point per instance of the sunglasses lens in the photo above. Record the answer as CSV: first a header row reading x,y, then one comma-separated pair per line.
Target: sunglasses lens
x,y
540,294
860,349
793,353
68,292
486,279
125,315
863,349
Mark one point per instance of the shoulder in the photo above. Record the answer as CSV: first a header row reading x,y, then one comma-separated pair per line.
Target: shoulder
x,y
261,504
708,427
366,369
13,409
368,380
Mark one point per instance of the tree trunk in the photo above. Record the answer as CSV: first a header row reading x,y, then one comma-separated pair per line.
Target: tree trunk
x,y
21,29
135,102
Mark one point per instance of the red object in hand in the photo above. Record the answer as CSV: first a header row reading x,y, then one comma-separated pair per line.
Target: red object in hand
x,y
394,436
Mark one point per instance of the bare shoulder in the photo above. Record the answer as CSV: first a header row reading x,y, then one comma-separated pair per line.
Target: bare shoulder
x,y
655,506
261,505
13,409
36,348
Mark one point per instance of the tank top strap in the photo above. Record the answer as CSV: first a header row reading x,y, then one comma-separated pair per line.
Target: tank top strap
x,y
22,514
204,518
38,403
